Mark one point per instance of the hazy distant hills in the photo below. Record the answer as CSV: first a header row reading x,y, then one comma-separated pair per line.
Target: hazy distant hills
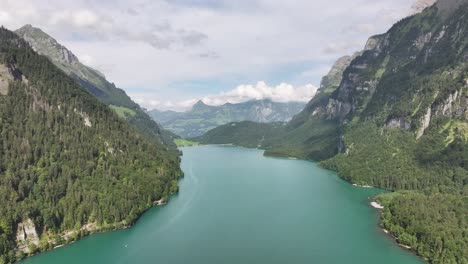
x,y
201,118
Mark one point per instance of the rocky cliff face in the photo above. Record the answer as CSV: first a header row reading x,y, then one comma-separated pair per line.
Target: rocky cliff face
x,y
403,79
7,74
26,235
384,58
91,79
333,79
47,46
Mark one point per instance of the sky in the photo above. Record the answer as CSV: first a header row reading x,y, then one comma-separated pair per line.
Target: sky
x,y
168,54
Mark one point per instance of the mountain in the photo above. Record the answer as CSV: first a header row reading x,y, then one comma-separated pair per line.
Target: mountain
x,y
333,79
94,82
309,140
245,133
399,120
202,117
68,164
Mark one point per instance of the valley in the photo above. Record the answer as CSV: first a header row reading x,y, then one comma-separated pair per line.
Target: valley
x,y
372,169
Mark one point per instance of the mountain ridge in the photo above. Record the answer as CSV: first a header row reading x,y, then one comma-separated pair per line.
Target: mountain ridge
x,y
68,164
95,83
203,117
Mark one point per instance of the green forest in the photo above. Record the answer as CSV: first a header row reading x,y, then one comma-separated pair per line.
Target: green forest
x,y
66,159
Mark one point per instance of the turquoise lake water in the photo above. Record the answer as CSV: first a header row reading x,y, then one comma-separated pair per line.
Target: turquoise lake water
x,y
236,206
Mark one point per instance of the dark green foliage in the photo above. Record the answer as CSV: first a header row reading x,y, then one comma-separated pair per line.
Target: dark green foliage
x,y
434,225
315,139
305,136
61,173
246,134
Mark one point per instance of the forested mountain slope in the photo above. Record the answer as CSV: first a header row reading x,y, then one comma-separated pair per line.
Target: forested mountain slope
x,y
201,118
68,164
246,133
94,82
399,120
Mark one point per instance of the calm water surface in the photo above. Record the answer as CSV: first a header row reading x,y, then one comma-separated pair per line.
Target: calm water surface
x,y
236,206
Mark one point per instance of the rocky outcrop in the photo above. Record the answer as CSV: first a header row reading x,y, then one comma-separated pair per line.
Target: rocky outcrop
x,y
421,41
333,79
425,122
398,122
85,116
377,43
26,235
45,45
338,109
9,73
5,78
456,105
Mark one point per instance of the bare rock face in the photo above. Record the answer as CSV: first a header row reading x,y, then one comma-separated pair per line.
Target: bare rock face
x,y
45,45
336,108
376,43
5,78
63,58
454,106
398,122
9,73
26,235
425,122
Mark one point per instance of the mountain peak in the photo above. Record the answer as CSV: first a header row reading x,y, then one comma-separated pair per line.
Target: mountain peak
x,y
33,32
46,45
200,105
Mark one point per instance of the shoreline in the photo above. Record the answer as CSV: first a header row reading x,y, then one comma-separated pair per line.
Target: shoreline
x,y
362,186
373,204
89,230
389,234
161,202
376,205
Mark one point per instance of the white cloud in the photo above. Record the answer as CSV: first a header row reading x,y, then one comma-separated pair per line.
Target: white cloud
x,y
281,93
148,45
4,17
84,18
419,5
87,60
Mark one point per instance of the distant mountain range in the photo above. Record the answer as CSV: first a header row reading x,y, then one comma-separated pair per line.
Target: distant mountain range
x,y
202,117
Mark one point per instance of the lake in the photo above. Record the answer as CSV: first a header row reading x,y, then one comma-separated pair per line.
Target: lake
x,y
237,206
